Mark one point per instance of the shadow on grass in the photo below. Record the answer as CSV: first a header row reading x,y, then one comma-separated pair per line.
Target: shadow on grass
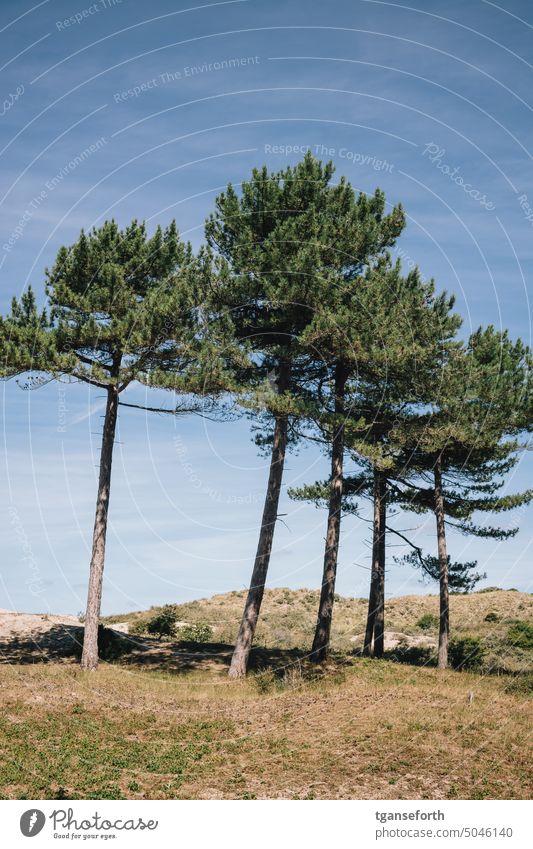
x,y
519,681
412,655
63,643
187,656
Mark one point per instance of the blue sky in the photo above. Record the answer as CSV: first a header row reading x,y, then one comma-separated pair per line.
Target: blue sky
x,y
129,109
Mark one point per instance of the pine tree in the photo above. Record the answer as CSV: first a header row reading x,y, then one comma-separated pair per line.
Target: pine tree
x,y
464,447
369,484
397,330
25,342
430,324
462,577
121,306
285,244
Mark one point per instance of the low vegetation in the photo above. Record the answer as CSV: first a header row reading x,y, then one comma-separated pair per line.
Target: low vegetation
x,y
162,720
139,734
520,635
288,619
163,624
428,622
467,653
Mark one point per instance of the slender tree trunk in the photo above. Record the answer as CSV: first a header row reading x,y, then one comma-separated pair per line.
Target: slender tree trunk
x,y
89,657
241,653
374,574
321,640
379,623
444,620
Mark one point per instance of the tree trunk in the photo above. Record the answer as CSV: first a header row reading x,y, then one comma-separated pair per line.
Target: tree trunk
x,y
321,640
374,575
379,623
241,653
444,619
89,657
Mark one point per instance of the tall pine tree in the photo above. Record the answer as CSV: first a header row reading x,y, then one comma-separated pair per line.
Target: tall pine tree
x,y
464,446
286,243
398,329
121,305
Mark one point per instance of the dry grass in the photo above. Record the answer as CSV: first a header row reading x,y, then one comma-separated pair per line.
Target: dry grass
x,y
288,619
164,721
366,730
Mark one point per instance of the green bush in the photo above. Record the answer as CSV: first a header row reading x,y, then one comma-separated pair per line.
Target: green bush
x,y
163,624
520,685
520,634
492,616
413,655
428,621
466,653
199,632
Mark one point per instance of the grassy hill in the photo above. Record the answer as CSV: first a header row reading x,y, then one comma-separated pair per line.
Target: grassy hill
x,y
288,618
163,721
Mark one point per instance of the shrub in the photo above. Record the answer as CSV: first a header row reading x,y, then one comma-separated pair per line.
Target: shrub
x,y
163,623
111,645
521,685
428,621
520,634
199,632
264,681
292,677
466,652
413,655
492,616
